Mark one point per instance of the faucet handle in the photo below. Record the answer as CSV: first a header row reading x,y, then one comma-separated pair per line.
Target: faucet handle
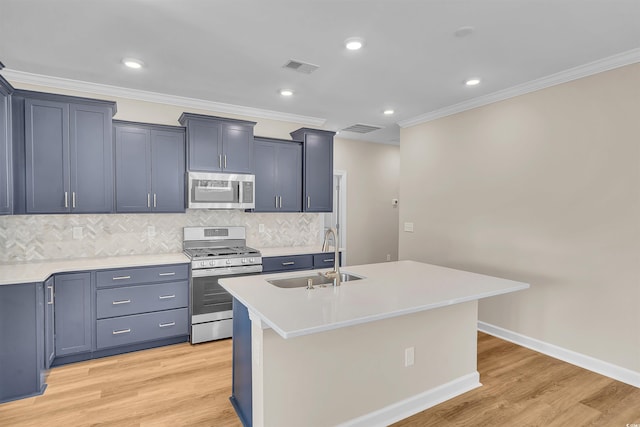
x,y
310,283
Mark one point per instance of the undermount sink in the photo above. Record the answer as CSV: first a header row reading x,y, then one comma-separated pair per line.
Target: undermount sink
x,y
317,279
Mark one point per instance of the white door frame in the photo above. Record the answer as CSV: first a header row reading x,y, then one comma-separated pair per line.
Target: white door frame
x,y
342,212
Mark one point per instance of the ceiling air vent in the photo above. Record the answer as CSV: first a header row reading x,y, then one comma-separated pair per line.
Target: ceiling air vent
x,y
300,67
360,128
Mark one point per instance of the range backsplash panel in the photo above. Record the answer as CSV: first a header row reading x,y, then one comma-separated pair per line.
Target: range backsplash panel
x,y
42,237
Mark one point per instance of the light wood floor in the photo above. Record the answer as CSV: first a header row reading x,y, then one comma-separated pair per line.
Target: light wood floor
x,y
184,385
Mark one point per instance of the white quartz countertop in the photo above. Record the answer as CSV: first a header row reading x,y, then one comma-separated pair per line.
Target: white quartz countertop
x,y
38,271
389,289
291,250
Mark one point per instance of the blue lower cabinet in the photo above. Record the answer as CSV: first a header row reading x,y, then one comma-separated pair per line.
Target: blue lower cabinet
x,y
241,388
73,317
287,263
21,341
124,330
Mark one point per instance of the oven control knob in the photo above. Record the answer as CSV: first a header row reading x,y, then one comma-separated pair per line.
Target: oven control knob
x,y
251,260
244,260
212,263
228,262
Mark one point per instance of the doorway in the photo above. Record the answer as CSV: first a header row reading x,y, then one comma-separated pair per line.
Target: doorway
x,y
338,218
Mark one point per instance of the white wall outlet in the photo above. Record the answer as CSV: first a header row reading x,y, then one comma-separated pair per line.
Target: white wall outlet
x,y
408,227
77,233
388,257
409,356
260,228
151,231
394,202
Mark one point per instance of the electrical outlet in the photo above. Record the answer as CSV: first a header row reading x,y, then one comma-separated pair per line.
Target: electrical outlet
x,y
408,226
388,257
409,357
77,233
394,202
151,231
260,228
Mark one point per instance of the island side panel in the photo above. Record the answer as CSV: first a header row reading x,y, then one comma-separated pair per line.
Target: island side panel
x,y
241,382
336,376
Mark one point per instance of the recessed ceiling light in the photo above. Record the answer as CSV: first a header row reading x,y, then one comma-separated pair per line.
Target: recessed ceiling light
x,y
388,112
136,64
286,92
354,43
472,82
464,31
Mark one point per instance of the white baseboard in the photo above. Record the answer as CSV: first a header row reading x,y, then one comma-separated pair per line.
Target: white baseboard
x,y
411,406
587,362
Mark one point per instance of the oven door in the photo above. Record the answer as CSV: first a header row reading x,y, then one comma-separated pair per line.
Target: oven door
x,y
209,300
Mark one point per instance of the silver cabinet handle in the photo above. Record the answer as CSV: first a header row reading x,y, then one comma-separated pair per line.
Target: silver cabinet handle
x,y
276,202
220,161
121,331
66,199
122,278
148,200
280,197
50,295
155,197
308,201
73,199
170,273
124,301
328,260
167,296
225,161
289,263
166,325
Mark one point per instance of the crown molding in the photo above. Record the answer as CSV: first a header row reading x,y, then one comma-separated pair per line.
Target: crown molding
x,y
15,76
595,67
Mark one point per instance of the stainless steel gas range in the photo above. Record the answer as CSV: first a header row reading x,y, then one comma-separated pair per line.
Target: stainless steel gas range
x,y
216,252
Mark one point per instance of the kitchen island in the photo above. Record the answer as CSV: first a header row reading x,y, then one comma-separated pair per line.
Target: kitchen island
x,y
369,352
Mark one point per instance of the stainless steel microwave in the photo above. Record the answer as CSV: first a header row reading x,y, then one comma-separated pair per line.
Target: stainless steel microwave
x,y
220,191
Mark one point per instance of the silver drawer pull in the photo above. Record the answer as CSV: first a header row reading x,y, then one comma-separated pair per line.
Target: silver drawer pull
x,y
328,260
121,331
171,273
167,296
122,278
166,325
288,263
124,301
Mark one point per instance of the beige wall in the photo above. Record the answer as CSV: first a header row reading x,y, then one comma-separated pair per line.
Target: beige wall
x,y
372,182
542,188
372,174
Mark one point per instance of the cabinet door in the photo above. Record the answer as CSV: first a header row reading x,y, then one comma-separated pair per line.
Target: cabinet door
x,y
49,326
90,155
289,176
204,141
47,154
318,173
5,155
265,172
237,143
73,313
167,171
133,169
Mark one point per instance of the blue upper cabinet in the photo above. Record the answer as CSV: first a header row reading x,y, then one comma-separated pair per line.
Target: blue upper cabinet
x,y
149,167
6,182
68,154
278,175
218,144
317,169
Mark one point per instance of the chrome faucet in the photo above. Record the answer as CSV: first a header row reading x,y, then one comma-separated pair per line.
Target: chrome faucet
x,y
335,273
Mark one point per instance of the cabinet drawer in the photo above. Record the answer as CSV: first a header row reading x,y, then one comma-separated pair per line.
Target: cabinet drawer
x,y
325,260
141,327
131,276
283,263
122,301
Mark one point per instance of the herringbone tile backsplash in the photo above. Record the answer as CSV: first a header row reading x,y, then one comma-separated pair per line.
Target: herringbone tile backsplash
x,y
40,237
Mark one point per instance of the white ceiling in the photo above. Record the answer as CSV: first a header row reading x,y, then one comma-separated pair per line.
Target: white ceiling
x,y
232,51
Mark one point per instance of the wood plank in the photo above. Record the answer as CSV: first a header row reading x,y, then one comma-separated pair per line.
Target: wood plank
x,y
185,385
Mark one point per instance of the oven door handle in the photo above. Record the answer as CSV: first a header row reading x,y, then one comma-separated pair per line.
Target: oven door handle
x,y
230,271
